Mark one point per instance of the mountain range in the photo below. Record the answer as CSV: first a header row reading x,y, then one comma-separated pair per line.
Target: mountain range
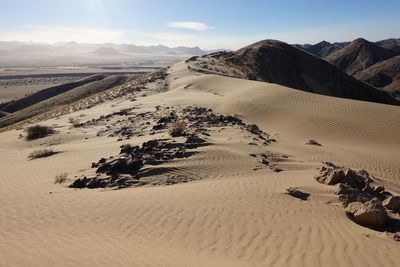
x,y
62,48
376,63
270,61
17,54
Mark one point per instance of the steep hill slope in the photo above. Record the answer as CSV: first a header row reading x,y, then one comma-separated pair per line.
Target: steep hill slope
x,y
277,62
323,49
359,55
385,75
67,97
47,93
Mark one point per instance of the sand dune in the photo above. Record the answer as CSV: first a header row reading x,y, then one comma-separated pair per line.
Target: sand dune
x,y
232,215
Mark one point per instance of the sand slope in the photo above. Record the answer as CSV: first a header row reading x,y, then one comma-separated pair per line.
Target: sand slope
x,y
234,216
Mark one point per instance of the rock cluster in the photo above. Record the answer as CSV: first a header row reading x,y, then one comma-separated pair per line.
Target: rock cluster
x,y
371,213
125,170
134,162
269,160
200,118
366,201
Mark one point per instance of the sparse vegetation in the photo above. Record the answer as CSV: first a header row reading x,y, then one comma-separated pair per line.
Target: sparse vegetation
x,y
38,131
178,129
60,178
74,121
127,148
42,153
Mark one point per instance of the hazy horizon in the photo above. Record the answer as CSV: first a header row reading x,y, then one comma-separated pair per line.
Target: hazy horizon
x,y
209,25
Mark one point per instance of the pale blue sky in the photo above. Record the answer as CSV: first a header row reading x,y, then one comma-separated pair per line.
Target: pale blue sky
x,y
209,24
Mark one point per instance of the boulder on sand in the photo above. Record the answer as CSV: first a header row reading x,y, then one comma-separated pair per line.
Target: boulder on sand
x,y
294,192
370,214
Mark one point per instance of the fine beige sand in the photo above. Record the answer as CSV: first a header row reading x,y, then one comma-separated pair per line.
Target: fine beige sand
x,y
232,215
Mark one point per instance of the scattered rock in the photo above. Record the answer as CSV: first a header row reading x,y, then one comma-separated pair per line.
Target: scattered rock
x,y
188,122
352,186
396,236
365,199
313,143
293,191
125,170
177,179
268,159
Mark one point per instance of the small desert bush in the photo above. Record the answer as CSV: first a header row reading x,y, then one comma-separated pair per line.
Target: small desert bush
x,y
42,153
178,129
60,178
126,148
74,121
38,131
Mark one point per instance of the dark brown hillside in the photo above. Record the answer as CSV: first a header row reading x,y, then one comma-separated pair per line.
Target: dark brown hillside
x,y
385,75
323,49
277,62
359,55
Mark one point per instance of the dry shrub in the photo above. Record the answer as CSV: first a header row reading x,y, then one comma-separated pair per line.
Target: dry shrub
x,y
76,122
42,153
38,131
127,148
60,178
178,129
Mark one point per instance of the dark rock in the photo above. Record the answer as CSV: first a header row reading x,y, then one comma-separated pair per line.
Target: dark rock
x,y
378,189
194,139
80,183
392,203
370,214
313,143
121,165
293,191
335,177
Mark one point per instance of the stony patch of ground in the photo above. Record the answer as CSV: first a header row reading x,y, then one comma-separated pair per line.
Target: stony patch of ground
x,y
366,200
187,129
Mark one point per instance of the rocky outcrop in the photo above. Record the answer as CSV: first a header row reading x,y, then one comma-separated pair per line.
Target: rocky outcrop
x,y
352,185
125,169
366,200
370,214
137,162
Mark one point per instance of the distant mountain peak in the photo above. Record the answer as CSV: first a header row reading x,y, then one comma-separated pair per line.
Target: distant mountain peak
x,y
106,51
323,42
359,55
